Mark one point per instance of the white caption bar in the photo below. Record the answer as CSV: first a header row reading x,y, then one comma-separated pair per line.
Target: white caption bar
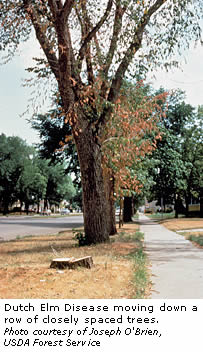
x,y
100,325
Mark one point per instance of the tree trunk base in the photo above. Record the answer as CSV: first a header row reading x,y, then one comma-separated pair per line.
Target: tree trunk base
x,y
71,263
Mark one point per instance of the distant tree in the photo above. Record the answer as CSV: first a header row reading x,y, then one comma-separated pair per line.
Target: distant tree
x,y
179,114
77,199
27,178
31,185
192,156
13,152
59,185
54,133
178,165
200,116
41,181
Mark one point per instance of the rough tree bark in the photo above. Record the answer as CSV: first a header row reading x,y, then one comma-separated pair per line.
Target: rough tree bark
x,y
128,209
109,193
95,204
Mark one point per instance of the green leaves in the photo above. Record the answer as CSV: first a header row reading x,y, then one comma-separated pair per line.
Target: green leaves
x,y
178,156
29,179
13,150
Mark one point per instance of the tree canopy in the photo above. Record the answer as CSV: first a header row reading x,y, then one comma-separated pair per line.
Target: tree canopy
x,y
12,153
27,178
178,158
56,143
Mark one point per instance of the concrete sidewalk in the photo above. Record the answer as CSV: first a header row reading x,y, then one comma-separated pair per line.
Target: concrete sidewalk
x,y
176,264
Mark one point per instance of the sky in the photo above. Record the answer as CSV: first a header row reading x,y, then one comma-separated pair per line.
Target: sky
x,y
188,78
14,97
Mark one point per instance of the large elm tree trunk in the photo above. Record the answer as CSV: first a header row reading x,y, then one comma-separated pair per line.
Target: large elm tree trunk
x,y
95,204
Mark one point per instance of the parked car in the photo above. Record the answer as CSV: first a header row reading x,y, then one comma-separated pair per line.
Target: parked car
x,y
64,211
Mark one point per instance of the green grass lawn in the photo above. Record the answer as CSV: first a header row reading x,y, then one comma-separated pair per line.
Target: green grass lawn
x,y
160,216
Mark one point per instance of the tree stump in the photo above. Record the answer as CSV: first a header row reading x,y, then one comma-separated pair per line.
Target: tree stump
x,y
71,263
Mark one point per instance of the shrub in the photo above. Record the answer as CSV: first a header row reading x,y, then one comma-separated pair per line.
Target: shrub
x,y
81,238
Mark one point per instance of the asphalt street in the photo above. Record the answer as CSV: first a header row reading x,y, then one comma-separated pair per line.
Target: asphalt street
x,y
20,226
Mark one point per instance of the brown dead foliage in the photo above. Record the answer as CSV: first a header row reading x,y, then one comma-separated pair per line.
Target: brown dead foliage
x,y
25,272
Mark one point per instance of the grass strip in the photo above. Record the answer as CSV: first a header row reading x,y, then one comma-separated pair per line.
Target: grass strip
x,y
161,216
140,276
196,239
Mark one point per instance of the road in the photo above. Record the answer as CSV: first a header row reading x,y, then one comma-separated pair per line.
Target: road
x,y
176,264
20,226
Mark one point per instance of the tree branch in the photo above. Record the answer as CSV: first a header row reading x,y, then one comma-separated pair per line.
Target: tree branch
x,y
68,74
86,27
60,15
66,10
92,34
131,51
88,22
116,30
43,40
59,4
53,7
129,54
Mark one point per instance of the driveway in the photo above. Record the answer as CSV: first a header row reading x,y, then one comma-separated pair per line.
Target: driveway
x,y
176,264
20,226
